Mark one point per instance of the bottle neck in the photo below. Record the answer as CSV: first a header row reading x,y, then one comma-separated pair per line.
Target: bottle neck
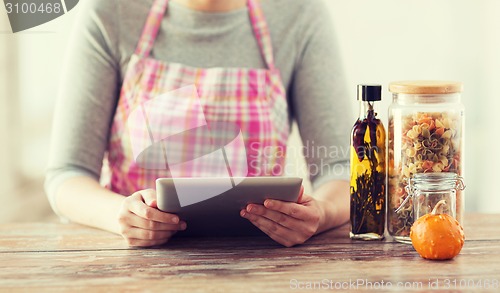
x,y
366,109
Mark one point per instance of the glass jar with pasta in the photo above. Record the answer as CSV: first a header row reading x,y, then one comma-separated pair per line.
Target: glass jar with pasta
x,y
426,135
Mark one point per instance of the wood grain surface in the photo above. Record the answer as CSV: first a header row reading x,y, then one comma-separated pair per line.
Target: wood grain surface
x,y
50,257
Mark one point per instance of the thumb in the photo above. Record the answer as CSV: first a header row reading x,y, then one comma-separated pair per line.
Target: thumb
x,y
149,197
304,198
301,194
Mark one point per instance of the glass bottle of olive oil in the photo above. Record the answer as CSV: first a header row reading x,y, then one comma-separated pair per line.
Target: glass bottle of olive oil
x,y
368,168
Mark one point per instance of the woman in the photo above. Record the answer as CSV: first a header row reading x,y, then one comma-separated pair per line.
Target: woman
x,y
282,54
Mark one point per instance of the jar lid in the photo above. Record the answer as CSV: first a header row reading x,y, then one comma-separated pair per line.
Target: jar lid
x,y
426,87
438,181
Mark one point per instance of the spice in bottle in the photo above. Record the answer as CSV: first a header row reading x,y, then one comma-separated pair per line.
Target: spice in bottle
x,y
368,168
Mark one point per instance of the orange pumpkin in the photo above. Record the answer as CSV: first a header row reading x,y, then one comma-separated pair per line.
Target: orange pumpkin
x,y
437,236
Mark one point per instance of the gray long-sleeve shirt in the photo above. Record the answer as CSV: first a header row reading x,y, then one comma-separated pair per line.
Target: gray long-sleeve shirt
x,y
106,34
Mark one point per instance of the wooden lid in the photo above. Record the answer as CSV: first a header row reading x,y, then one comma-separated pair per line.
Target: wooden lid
x,y
425,87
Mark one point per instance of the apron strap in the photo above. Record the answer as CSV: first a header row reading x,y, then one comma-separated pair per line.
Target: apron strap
x,y
259,25
151,28
261,32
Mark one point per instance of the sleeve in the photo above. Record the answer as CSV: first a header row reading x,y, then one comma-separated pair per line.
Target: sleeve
x,y
87,97
320,102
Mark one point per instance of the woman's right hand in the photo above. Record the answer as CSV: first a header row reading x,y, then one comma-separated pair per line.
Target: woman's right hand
x,y
142,224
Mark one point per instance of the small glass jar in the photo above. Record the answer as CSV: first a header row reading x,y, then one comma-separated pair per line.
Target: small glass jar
x,y
426,135
427,189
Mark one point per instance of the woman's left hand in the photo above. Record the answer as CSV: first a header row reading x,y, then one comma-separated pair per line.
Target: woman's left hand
x,y
287,223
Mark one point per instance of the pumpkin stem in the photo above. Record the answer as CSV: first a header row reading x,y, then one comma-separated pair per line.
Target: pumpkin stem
x,y
439,206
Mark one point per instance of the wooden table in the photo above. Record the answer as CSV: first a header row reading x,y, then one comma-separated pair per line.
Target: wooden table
x,y
65,257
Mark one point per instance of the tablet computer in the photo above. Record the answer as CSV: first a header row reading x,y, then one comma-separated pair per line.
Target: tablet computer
x,y
211,206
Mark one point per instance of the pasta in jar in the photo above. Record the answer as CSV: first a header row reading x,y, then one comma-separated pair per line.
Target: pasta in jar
x,y
425,135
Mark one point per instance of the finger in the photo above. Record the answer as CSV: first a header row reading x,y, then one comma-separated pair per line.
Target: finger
x,y
153,204
136,221
301,193
149,197
260,223
280,218
145,243
304,198
142,210
144,234
274,237
292,209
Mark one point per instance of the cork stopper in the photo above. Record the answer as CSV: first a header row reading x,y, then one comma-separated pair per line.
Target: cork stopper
x,y
425,87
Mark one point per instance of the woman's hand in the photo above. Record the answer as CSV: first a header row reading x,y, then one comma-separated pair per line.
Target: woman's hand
x,y
142,224
287,223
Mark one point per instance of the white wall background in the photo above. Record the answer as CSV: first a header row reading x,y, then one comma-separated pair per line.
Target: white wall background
x,y
29,75
7,109
383,41
380,41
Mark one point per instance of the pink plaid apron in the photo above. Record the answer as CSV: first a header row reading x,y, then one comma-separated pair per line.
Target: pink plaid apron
x,y
253,100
